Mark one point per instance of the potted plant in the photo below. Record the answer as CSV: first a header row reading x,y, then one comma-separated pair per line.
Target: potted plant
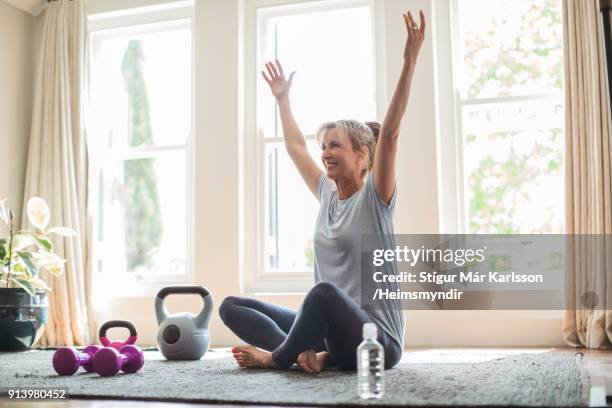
x,y
23,294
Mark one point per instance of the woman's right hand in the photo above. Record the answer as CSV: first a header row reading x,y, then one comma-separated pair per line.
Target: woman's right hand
x,y
275,78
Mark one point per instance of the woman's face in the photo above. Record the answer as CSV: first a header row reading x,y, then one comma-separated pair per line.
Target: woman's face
x,y
339,158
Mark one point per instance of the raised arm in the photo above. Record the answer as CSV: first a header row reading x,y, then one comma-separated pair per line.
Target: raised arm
x,y
386,149
294,139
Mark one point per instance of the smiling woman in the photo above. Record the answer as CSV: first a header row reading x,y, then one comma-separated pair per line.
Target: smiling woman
x,y
357,196
339,137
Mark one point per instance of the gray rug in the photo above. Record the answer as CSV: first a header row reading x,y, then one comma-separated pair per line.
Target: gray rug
x,y
544,379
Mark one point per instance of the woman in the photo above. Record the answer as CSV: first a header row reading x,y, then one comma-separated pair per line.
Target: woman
x,y
357,196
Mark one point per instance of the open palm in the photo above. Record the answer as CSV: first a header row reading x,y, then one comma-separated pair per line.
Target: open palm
x,y
279,85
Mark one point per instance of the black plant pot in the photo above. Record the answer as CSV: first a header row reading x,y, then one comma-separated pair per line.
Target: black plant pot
x,y
22,318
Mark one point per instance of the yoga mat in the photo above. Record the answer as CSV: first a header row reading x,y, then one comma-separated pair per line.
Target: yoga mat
x,y
530,379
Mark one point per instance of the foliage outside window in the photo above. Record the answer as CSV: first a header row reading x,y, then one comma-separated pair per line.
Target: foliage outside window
x,y
510,81
139,138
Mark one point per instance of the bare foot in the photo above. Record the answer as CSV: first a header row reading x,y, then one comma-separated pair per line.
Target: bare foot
x,y
312,362
251,356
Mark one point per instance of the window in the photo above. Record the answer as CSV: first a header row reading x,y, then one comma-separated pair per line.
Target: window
x,y
335,79
139,136
503,172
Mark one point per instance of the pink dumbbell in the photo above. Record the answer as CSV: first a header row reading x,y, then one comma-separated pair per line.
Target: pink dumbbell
x,y
67,360
109,361
106,342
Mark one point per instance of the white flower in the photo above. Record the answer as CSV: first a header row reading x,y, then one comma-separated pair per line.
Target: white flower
x,y
38,213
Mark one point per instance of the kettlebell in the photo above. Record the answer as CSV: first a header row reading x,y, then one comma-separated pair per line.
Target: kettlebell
x,y
183,336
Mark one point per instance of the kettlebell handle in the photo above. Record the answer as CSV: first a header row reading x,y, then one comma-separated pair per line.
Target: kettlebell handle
x,y
117,323
171,290
201,320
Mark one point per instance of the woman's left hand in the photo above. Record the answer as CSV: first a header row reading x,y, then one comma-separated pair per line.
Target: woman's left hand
x,y
416,35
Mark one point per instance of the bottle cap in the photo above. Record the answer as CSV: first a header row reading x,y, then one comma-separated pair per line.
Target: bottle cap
x,y
369,331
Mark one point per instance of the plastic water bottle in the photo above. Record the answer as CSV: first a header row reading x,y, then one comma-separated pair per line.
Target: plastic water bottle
x,y
370,364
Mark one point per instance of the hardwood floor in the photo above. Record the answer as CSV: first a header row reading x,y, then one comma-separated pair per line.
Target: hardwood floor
x,y
598,364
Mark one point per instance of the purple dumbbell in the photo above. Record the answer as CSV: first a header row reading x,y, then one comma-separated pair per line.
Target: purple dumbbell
x,y
67,360
109,361
117,344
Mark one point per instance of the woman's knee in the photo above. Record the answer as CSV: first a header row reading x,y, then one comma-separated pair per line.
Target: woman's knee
x,y
324,290
228,307
392,359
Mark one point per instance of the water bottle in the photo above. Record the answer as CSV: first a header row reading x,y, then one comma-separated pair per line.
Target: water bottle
x,y
370,364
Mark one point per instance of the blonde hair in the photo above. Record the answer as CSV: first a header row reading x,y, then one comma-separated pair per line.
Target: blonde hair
x,y
359,133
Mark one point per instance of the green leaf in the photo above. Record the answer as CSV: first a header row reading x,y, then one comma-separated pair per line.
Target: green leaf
x,y
4,212
2,249
26,285
63,231
27,262
22,241
43,243
39,284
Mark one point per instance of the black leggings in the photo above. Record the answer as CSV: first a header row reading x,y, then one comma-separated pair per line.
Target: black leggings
x,y
327,320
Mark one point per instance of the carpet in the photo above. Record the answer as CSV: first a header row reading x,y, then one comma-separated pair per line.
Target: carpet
x,y
529,379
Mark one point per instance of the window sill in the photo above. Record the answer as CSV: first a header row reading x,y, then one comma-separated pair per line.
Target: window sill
x,y
121,286
276,294
277,285
483,314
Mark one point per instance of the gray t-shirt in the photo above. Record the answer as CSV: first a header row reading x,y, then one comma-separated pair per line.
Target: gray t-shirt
x,y
337,245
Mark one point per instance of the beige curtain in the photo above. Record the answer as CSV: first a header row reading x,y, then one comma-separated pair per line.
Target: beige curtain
x,y
57,166
588,177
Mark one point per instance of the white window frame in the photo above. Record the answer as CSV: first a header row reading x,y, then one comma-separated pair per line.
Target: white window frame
x,y
452,209
254,278
452,212
142,18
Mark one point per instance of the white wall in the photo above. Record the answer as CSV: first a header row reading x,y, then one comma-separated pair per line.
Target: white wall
x,y
218,196
17,50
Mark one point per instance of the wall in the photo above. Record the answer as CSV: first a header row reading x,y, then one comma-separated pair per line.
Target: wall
x,y
17,50
219,113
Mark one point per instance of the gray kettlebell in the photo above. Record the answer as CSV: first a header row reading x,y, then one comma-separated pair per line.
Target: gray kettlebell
x,y
183,336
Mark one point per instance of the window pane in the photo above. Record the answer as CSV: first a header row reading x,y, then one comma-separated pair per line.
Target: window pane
x,y
291,211
510,47
513,163
332,53
144,227
141,87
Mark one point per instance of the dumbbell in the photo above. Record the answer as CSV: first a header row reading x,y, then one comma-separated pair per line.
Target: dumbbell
x,y
67,360
109,361
117,344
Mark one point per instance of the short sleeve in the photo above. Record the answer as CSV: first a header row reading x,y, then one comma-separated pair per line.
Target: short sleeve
x,y
373,194
324,186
